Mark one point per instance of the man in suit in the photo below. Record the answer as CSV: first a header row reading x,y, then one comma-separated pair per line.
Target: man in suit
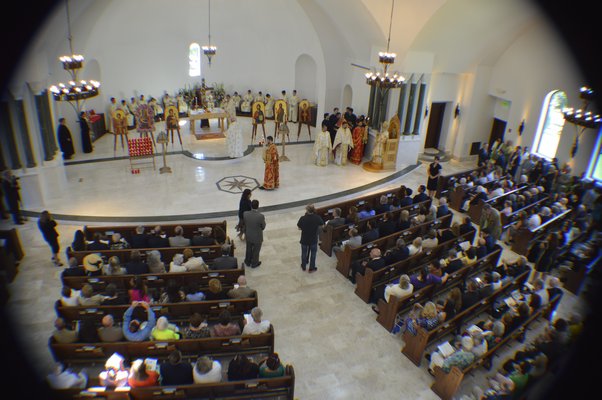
x,y
309,224
225,261
336,220
136,266
157,239
375,263
388,226
254,226
204,239
421,196
139,239
443,209
179,240
242,291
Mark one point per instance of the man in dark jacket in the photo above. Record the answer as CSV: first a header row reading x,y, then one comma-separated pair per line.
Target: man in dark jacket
x,y
309,225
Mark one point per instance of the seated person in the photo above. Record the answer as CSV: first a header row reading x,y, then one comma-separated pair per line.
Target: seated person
x,y
163,330
133,329
62,333
197,328
336,219
113,297
452,263
366,212
97,243
452,305
174,371
136,266
486,289
354,240
88,298
113,267
383,205
79,241
193,293
225,326
352,216
371,233
469,256
422,316
443,209
176,265
461,358
192,263
92,264
73,269
157,239
216,291
69,297
117,242
481,249
205,238
140,376
241,290
415,247
471,295
430,241
138,290
404,197
172,293
179,240
109,332
242,368
254,324
62,378
271,367
404,221
398,253
225,261
401,290
445,235
114,375
375,263
425,278
207,370
421,195
139,239
388,225
466,226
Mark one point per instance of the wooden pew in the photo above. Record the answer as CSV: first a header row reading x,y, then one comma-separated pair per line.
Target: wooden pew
x,y
349,254
175,311
371,280
458,195
88,353
127,231
372,199
524,237
475,211
510,219
415,345
207,252
443,181
329,235
388,311
201,278
447,384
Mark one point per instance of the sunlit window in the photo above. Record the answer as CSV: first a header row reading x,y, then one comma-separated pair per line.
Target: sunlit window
x,y
550,125
194,60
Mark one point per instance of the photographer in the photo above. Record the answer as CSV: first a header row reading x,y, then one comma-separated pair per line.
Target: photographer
x,y
10,187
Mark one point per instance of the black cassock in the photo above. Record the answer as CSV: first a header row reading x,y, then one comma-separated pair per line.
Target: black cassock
x,y
66,141
85,131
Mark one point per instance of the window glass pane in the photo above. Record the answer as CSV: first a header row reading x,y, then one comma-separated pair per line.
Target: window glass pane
x,y
194,60
549,137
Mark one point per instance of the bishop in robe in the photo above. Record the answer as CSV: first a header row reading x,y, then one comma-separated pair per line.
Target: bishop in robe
x,y
322,147
234,139
378,152
343,141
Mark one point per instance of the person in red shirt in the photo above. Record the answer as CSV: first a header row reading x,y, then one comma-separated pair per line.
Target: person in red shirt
x,y
140,376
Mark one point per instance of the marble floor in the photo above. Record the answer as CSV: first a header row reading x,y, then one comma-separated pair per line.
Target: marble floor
x,y
331,337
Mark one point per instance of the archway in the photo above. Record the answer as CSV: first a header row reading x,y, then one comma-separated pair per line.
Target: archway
x,y
347,96
306,77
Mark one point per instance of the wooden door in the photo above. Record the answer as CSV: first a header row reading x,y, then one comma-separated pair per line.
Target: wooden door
x,y
497,131
433,132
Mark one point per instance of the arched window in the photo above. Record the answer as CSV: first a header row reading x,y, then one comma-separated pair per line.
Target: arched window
x,y
194,60
550,125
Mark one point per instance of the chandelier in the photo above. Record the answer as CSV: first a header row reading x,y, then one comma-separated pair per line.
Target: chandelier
x,y
582,117
209,50
74,90
383,79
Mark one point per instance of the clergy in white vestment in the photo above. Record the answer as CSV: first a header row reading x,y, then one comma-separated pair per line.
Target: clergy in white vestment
x,y
230,107
293,104
343,141
234,139
259,98
168,101
269,106
236,99
112,108
247,100
182,106
128,115
322,147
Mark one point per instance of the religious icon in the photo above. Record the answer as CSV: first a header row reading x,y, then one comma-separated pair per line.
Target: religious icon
x,y
120,127
146,120
280,114
171,122
258,118
304,117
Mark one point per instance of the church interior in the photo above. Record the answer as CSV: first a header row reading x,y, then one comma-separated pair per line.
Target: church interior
x,y
473,71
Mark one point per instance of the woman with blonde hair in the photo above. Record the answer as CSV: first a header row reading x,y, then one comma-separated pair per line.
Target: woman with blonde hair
x,y
423,316
153,260
216,291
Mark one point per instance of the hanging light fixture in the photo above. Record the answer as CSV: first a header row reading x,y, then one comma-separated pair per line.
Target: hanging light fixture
x,y
209,50
75,90
581,118
383,79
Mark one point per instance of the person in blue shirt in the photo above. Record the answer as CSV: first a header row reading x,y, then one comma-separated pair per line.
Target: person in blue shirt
x,y
365,212
132,327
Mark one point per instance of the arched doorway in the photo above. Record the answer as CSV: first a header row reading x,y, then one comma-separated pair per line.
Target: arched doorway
x,y
306,77
347,96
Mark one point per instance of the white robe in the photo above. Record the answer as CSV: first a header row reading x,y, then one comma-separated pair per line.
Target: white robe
x,y
342,142
269,108
245,106
182,106
260,99
293,108
230,108
128,115
234,141
322,149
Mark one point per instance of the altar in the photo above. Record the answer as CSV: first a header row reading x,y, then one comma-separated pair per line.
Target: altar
x,y
216,113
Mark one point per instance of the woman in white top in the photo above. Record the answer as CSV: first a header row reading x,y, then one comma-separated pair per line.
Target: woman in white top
x,y
254,325
415,247
176,264
207,370
402,290
480,344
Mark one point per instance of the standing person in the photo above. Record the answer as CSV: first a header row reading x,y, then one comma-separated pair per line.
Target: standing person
x,y
483,155
433,177
271,178
309,224
322,147
10,187
343,142
293,103
65,139
234,139
254,226
47,226
360,138
244,205
85,132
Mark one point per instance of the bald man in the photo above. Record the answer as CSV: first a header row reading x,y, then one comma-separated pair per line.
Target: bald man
x,y
375,263
241,290
109,332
